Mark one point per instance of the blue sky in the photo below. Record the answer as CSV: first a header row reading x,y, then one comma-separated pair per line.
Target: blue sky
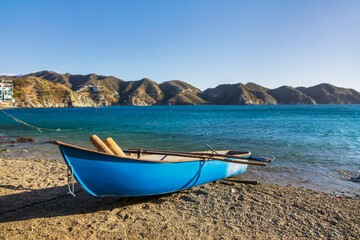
x,y
204,43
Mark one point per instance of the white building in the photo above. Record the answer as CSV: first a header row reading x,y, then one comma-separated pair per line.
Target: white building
x,y
94,88
6,88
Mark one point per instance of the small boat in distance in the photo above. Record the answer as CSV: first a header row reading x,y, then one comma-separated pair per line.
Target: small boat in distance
x,y
139,172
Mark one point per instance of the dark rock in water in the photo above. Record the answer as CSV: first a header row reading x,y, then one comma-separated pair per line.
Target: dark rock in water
x,y
355,179
23,140
4,140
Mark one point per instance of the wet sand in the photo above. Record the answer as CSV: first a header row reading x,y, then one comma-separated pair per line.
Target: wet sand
x,y
34,205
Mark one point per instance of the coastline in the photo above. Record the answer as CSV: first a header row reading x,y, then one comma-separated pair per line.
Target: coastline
x,y
34,203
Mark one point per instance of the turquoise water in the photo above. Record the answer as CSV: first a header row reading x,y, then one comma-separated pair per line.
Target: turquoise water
x,y
316,147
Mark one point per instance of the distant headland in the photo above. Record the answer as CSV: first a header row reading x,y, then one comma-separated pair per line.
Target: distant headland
x,y
51,89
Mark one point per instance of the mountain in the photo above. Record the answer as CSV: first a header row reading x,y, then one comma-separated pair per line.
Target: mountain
x,y
142,92
328,94
75,82
35,92
108,82
52,89
230,94
239,94
53,77
261,93
177,92
290,95
107,94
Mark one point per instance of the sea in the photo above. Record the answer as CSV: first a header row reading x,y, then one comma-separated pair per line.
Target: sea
x,y
316,147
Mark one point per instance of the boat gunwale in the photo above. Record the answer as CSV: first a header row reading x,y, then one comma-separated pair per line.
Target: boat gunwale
x,y
194,159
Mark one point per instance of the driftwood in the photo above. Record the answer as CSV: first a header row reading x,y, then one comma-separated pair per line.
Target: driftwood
x,y
245,181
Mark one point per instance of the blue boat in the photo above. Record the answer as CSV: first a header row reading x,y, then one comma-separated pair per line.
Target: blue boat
x,y
102,174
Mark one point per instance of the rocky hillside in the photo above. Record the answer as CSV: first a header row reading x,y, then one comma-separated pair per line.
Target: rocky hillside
x,y
51,89
98,90
75,82
36,92
239,94
329,94
180,93
261,93
253,94
142,92
290,95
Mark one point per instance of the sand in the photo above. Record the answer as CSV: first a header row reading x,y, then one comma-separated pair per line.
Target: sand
x,y
34,205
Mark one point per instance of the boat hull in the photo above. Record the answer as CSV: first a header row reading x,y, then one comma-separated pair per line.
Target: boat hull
x,y
105,175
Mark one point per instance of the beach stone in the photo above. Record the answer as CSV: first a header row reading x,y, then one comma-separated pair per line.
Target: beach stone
x,y
24,140
267,211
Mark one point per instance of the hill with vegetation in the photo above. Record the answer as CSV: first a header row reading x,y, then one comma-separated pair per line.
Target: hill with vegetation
x,y
328,94
238,94
52,89
36,92
177,92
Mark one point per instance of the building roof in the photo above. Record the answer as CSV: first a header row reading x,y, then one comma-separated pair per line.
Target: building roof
x,y
6,81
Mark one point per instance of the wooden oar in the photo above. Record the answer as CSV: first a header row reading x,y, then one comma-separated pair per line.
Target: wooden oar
x,y
100,145
111,144
240,156
195,155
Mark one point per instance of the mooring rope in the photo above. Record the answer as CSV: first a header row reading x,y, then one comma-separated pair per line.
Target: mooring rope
x,y
31,126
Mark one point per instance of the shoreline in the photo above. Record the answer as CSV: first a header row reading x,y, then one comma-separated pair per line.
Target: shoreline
x,y
185,105
34,147
34,203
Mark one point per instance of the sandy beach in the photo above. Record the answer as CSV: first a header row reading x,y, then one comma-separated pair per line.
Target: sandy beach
x,y
34,205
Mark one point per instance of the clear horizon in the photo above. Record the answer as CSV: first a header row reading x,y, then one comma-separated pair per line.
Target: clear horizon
x,y
203,43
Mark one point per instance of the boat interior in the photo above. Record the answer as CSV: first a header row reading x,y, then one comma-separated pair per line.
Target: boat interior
x,y
109,147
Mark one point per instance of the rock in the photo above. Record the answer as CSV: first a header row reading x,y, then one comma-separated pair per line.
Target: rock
x,y
24,140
